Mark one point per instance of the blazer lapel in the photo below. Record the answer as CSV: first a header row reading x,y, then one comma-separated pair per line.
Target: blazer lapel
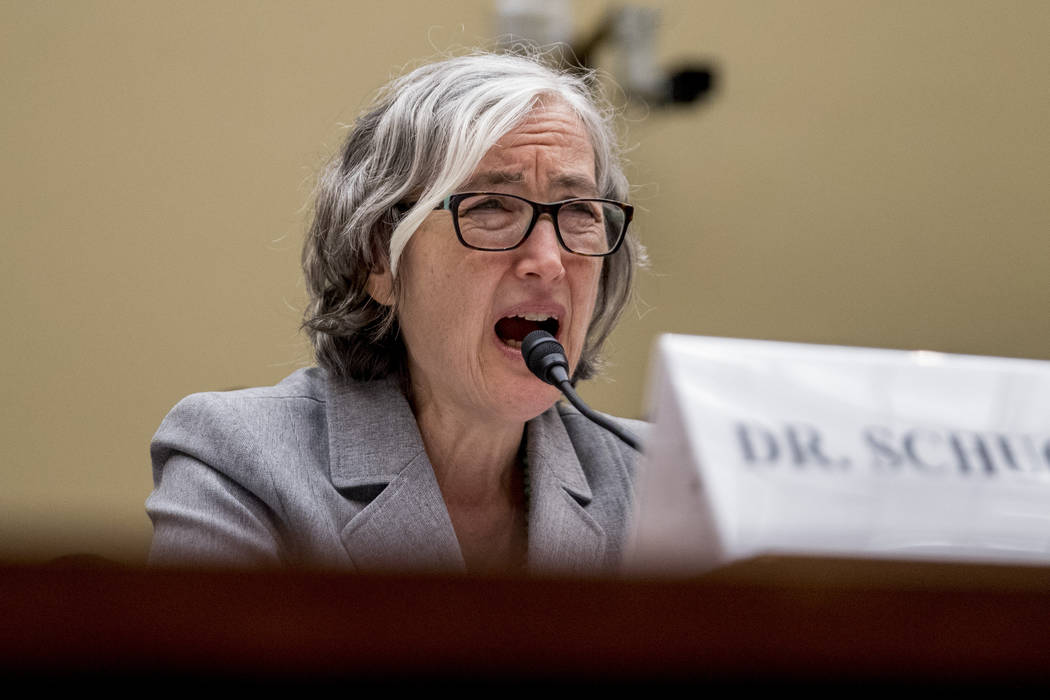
x,y
563,537
377,459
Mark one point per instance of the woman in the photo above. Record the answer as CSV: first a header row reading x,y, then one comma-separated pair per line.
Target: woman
x,y
464,211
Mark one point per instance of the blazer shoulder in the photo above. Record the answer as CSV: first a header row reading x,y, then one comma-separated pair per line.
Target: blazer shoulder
x,y
220,427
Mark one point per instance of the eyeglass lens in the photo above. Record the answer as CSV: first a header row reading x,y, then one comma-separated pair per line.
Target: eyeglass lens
x,y
497,222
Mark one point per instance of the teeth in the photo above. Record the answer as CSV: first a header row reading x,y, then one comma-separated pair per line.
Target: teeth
x,y
516,344
534,317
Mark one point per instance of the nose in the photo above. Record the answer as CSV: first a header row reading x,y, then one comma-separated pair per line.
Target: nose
x,y
541,255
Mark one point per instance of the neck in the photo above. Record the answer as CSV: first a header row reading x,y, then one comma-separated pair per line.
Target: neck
x,y
482,483
472,461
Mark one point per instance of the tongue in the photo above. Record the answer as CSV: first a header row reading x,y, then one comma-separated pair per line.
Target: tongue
x,y
515,328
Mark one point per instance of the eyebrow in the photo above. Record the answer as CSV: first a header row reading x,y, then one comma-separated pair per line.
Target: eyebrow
x,y
577,183
567,181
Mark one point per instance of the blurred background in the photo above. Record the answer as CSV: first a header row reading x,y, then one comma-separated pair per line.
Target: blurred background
x,y
871,173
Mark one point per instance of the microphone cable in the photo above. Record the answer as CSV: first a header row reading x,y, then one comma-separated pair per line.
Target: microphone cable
x,y
545,357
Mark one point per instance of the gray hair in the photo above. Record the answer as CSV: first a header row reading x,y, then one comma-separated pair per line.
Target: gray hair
x,y
425,134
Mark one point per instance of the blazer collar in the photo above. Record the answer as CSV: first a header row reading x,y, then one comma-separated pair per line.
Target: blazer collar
x,y
372,433
376,455
563,537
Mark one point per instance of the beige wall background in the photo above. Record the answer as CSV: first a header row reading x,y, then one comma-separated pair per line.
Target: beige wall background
x,y
872,172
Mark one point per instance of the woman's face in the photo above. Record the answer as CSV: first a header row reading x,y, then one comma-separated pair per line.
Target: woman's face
x,y
462,308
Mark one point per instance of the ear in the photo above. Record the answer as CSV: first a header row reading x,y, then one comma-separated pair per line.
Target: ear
x,y
380,286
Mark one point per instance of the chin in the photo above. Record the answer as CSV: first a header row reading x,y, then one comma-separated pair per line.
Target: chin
x,y
533,399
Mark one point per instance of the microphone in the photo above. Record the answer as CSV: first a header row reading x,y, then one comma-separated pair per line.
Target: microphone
x,y
545,357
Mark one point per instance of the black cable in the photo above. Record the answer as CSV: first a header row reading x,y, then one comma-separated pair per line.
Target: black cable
x,y
623,433
545,357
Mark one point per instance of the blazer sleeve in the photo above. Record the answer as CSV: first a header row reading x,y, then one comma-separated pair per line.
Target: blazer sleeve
x,y
212,504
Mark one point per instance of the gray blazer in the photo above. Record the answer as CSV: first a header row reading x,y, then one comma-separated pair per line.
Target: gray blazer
x,y
319,472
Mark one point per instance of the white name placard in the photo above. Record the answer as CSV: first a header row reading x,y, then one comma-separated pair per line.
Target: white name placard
x,y
767,447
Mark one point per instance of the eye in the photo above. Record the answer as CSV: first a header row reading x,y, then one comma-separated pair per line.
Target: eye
x,y
482,204
581,226
583,210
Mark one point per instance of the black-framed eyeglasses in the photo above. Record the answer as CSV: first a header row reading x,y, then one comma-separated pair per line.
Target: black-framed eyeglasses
x,y
496,221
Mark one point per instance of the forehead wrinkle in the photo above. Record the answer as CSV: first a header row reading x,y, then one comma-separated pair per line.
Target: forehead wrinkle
x,y
541,151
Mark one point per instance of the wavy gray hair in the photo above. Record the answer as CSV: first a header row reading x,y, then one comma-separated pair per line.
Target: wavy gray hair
x,y
424,135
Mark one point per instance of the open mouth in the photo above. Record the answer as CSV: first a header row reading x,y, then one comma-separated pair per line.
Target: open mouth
x,y
513,329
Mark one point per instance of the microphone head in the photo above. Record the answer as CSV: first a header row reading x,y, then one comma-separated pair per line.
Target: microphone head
x,y
545,357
